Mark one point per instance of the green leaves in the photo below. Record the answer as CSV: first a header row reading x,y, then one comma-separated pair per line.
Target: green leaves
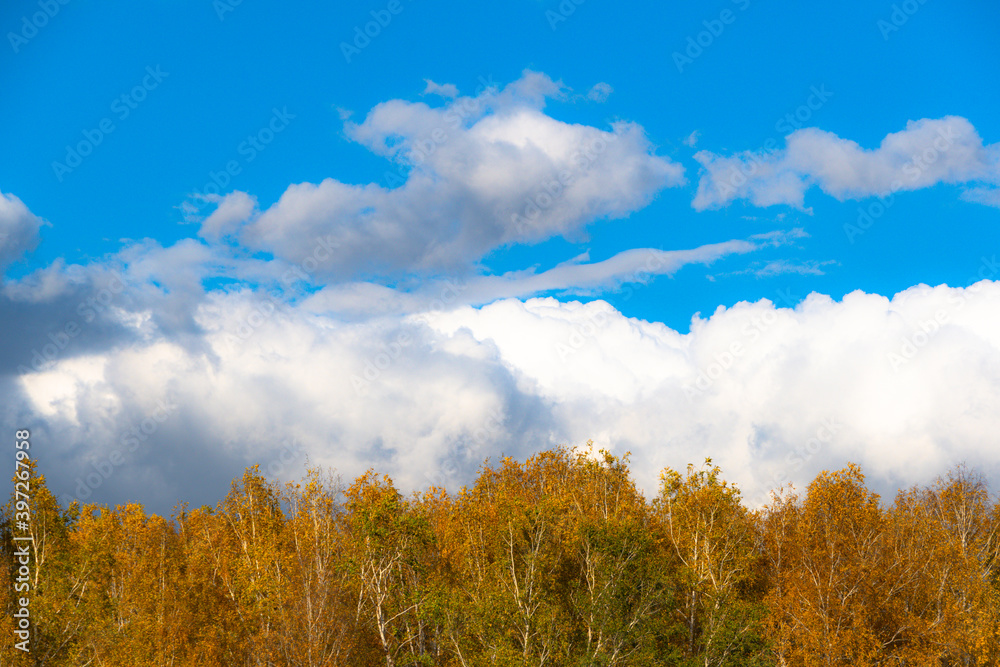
x,y
711,543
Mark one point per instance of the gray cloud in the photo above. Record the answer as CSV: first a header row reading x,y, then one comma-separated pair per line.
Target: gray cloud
x,y
18,230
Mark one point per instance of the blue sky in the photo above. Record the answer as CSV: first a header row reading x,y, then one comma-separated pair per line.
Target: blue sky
x,y
276,94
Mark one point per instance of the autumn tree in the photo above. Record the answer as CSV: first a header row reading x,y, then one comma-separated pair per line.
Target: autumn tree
x,y
825,607
618,595
387,541
142,619
248,561
558,561
555,565
713,545
316,625
215,626
513,528
60,573
942,549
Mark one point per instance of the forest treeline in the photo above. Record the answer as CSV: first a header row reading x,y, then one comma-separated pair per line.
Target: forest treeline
x,y
557,561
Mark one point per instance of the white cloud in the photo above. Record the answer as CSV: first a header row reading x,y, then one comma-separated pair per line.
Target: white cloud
x,y
18,230
229,213
909,385
448,90
484,171
600,92
927,152
904,386
779,267
990,196
580,277
577,276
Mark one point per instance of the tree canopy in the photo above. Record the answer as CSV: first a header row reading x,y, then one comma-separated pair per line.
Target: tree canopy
x,y
555,561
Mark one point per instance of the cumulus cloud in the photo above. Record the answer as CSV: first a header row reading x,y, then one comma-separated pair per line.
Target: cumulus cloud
x,y
906,386
927,152
331,389
478,173
18,230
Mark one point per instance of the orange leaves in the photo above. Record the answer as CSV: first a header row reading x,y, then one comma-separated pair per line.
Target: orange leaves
x,y
823,604
945,552
315,622
556,561
858,583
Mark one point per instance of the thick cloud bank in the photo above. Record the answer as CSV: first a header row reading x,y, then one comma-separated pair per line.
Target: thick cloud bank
x,y
906,387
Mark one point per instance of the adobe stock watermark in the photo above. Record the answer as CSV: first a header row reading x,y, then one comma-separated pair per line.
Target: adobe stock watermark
x,y
22,536
704,39
129,442
247,151
48,9
581,333
380,362
562,12
925,331
260,314
363,36
802,114
223,7
447,298
899,16
913,169
290,452
916,341
642,275
723,361
265,309
122,107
